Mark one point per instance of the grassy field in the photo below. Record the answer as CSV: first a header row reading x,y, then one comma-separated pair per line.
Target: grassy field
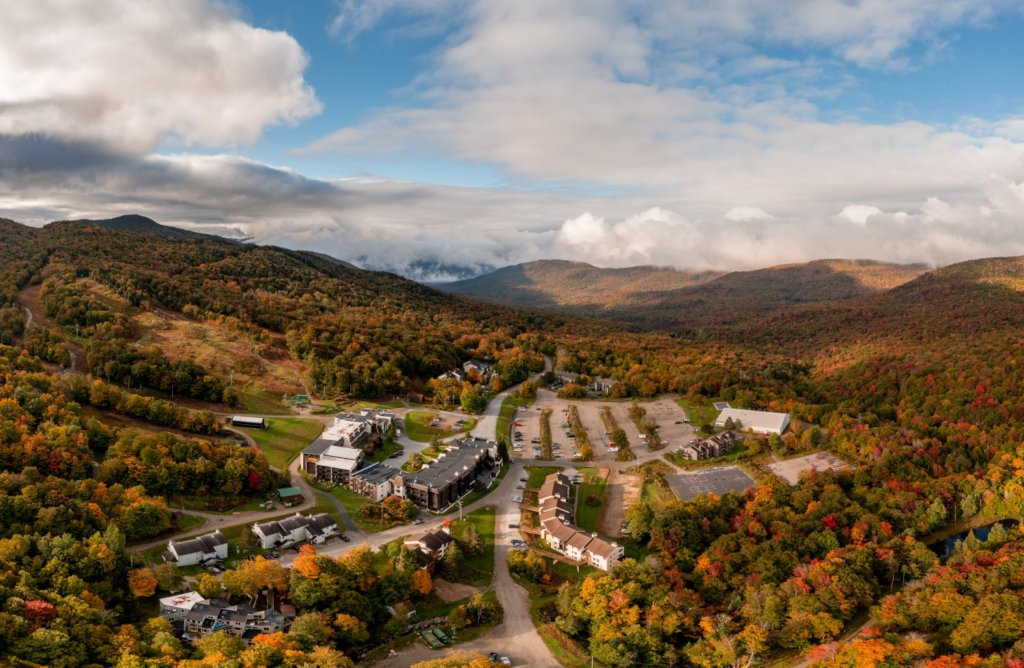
x,y
538,473
699,414
588,515
284,438
478,569
508,411
333,407
417,426
256,400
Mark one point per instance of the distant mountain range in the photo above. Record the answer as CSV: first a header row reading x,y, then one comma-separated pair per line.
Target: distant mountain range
x,y
674,299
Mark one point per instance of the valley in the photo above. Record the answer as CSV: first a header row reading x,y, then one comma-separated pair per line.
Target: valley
x,y
901,405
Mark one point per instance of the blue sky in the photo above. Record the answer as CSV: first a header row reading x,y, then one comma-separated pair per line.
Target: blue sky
x,y
475,133
960,72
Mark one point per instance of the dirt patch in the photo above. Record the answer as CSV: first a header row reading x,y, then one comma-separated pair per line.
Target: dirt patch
x,y
264,367
622,491
453,591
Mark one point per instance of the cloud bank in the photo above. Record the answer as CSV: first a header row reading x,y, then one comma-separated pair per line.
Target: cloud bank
x,y
669,133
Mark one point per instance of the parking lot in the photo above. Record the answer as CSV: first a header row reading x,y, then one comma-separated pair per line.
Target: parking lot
x,y
667,413
716,481
527,421
791,469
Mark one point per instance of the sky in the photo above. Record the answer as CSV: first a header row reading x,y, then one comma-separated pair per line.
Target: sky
x,y
442,138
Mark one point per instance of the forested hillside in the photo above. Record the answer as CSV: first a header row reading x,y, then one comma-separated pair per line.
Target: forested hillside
x,y
918,387
669,299
339,330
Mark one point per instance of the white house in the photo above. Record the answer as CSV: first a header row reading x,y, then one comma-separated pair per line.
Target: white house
x,y
759,422
431,545
198,550
556,526
377,482
174,608
293,530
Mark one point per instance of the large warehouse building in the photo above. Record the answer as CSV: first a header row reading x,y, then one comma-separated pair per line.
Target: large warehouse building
x,y
759,422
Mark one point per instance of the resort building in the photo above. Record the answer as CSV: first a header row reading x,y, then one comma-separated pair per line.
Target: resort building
x,y
554,499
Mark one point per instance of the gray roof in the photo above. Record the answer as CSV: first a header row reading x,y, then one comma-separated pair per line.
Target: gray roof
x,y
199,544
452,464
315,524
376,474
318,447
354,417
435,540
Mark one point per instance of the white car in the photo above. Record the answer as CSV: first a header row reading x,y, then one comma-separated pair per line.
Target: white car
x,y
517,499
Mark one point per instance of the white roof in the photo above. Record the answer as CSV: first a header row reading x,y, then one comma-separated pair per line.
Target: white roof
x,y
759,421
340,457
341,452
182,601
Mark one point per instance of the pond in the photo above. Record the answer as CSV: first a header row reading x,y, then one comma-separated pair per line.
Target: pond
x,y
945,548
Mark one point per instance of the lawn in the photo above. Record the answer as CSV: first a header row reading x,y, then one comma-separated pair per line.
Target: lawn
x,y
187,522
587,514
478,569
386,449
699,413
508,411
538,473
353,502
284,438
417,426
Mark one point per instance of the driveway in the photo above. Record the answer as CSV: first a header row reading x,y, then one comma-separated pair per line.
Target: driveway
x,y
516,636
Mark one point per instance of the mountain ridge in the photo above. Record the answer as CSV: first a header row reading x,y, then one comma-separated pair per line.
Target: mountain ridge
x,y
660,296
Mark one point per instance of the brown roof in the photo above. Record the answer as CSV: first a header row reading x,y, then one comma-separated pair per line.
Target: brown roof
x,y
562,532
580,540
602,548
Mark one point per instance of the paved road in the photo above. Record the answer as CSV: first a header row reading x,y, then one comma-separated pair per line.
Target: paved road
x,y
516,635
487,425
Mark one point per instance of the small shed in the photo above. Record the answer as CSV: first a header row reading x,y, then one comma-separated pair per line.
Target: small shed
x,y
290,496
249,422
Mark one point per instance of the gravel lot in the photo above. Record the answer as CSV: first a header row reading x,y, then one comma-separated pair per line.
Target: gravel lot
x,y
790,469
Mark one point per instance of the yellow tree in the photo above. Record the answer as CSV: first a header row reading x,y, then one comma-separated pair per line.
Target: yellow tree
x,y
422,583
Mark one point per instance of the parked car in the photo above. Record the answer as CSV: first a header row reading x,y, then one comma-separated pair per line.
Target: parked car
x,y
506,661
493,656
273,554
517,499
679,421
417,521
344,538
520,486
517,543
524,480
513,526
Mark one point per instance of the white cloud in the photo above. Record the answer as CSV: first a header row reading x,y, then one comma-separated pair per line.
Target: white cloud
x,y
141,74
738,214
859,213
